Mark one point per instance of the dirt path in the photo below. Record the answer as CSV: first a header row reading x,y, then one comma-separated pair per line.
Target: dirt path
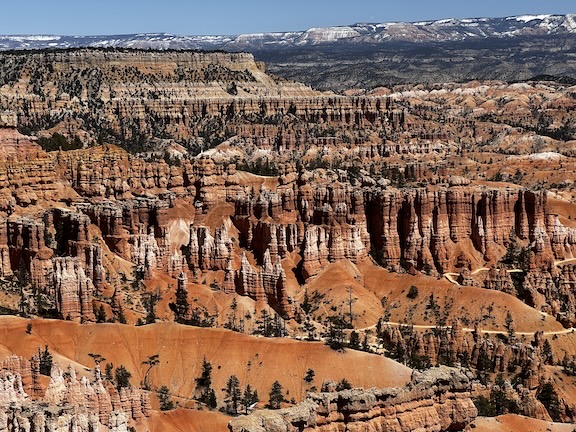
x,y
450,275
467,329
558,263
450,278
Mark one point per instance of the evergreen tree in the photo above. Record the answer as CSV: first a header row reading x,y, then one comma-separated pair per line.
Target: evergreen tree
x,y
310,330
484,366
231,324
306,304
205,379
549,398
117,309
270,326
100,313
181,307
108,372
249,398
120,315
343,384
547,352
499,400
335,334
233,395
204,385
152,361
166,403
150,305
97,358
309,377
365,342
354,341
122,377
208,397
484,407
275,397
510,325
45,361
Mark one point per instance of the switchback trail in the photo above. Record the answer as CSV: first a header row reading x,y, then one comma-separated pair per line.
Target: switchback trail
x,y
467,329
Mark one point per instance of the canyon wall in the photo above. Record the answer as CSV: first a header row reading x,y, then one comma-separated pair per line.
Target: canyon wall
x,y
436,400
66,402
124,204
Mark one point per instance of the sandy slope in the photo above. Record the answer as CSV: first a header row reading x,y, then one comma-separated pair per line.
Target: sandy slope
x,y
516,423
188,421
255,360
466,302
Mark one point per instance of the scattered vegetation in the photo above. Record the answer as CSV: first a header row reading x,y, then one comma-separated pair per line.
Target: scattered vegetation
x,y
276,396
166,403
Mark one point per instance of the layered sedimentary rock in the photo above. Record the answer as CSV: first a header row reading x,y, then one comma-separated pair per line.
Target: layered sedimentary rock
x,y
68,403
73,290
27,173
500,280
209,253
422,227
478,351
323,215
439,399
265,283
486,355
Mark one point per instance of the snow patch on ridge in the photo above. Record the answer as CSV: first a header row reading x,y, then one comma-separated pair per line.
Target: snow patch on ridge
x,y
528,18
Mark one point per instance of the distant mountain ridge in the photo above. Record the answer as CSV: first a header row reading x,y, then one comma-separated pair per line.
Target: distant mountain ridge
x,y
372,55
445,30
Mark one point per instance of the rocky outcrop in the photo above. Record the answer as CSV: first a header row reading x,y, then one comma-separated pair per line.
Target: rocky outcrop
x,y
266,283
436,400
122,82
11,388
36,416
421,227
73,290
68,403
206,252
479,351
500,280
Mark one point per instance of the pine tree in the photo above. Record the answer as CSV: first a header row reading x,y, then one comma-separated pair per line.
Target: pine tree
x,y
45,361
547,352
97,358
231,324
233,395
166,403
335,334
309,377
150,305
181,307
205,379
275,397
152,361
203,385
100,314
549,398
249,398
120,315
108,372
354,341
365,341
208,397
343,384
122,377
510,325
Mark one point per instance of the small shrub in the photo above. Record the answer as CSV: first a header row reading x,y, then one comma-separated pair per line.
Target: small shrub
x,y
166,403
412,292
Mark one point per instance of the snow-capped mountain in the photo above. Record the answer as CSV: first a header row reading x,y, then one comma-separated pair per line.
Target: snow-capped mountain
x,y
446,30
